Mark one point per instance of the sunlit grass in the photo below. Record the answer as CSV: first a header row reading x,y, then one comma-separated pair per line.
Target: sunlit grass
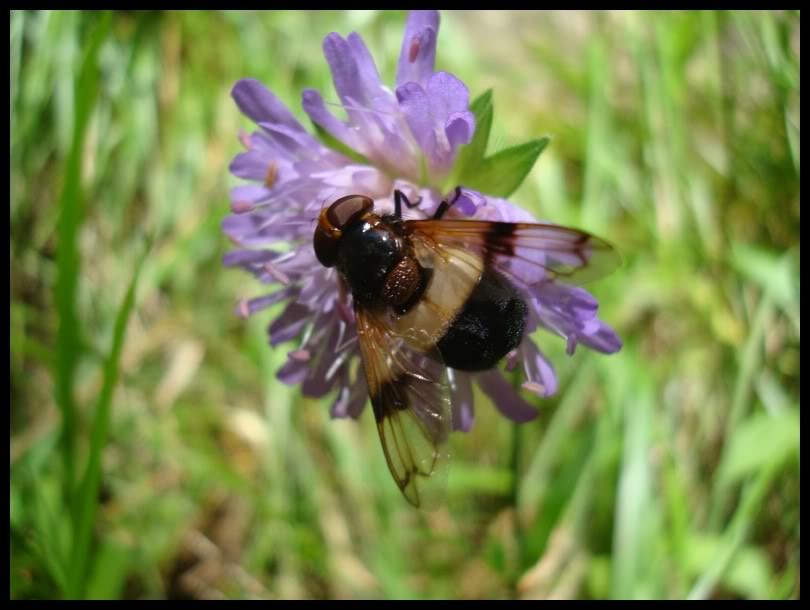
x,y
667,470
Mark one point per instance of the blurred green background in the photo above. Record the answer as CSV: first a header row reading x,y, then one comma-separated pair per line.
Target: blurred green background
x,y
153,452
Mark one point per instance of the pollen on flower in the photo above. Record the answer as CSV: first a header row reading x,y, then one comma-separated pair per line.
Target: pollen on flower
x,y
244,138
533,386
301,355
413,52
240,206
277,273
271,176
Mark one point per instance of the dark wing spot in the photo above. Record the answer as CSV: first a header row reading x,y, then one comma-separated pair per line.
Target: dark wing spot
x,y
499,240
391,395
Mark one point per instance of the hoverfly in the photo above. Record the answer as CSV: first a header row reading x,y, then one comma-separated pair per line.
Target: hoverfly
x,y
437,293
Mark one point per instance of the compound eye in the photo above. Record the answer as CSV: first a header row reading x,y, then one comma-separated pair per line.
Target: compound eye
x,y
326,247
347,210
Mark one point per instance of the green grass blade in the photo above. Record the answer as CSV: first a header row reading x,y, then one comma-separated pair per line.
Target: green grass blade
x,y
16,35
88,489
749,362
737,532
67,258
747,454
633,500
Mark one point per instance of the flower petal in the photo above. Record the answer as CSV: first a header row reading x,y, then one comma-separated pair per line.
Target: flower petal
x,y
358,397
328,369
351,398
256,101
346,74
253,193
469,202
462,401
447,95
540,376
448,99
576,302
500,210
251,165
251,306
366,68
293,371
245,197
413,101
317,384
418,54
603,340
571,311
291,143
340,405
247,258
259,166
314,106
504,397
289,324
459,128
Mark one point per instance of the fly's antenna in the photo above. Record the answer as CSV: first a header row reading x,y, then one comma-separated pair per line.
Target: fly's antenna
x,y
327,198
322,205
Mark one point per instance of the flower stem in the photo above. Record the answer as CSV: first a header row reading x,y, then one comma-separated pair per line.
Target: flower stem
x,y
515,467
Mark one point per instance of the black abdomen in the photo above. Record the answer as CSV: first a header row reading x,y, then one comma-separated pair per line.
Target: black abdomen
x,y
490,325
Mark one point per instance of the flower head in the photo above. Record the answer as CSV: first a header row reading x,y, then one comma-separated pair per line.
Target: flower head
x,y
425,119
410,139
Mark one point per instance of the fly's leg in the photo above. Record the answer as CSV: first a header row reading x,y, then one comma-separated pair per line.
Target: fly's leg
x,y
399,199
444,206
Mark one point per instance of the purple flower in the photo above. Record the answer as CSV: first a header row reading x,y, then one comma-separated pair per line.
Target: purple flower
x,y
426,118
410,138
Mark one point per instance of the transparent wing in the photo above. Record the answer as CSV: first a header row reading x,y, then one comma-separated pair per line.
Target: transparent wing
x,y
453,275
410,395
529,252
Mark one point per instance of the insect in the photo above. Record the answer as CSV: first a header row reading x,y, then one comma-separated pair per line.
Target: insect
x,y
435,294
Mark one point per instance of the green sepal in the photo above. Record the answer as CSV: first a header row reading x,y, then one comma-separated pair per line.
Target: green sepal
x,y
502,173
470,156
